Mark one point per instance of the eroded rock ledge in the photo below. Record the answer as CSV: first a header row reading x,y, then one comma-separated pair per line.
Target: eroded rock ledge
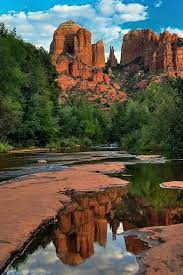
x,y
30,201
166,253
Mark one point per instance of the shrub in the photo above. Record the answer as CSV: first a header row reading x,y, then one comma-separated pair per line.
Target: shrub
x,y
5,147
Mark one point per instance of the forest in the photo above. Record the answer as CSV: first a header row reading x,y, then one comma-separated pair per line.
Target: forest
x,y
31,115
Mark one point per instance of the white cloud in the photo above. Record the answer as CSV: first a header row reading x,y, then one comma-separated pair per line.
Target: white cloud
x,y
179,32
158,3
104,20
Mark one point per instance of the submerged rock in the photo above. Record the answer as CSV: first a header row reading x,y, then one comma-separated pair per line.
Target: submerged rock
x,y
42,161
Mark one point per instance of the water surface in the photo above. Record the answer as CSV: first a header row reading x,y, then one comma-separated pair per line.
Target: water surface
x,y
87,239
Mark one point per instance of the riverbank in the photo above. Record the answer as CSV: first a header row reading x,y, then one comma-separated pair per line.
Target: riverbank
x,y
166,253
29,150
29,202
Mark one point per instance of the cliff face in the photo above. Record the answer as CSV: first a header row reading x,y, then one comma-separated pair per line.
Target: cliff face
x,y
80,64
157,53
98,55
70,38
64,40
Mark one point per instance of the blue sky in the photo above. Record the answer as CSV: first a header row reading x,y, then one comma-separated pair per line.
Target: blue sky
x,y
36,20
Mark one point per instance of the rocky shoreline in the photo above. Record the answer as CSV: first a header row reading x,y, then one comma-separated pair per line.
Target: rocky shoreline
x,y
166,253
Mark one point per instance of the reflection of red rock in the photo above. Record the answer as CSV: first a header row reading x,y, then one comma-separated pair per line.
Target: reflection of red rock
x,y
165,216
135,245
114,224
101,231
79,64
83,224
142,214
162,52
65,223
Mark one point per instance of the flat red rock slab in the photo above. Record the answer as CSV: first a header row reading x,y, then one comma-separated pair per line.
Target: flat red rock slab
x,y
148,157
172,184
167,258
27,202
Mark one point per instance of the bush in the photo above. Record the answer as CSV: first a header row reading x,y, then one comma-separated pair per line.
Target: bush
x,y
86,142
5,147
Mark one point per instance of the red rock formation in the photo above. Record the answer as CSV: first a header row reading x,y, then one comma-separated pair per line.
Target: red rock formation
x,y
79,64
82,46
112,60
63,39
75,42
158,53
63,65
98,55
66,82
98,76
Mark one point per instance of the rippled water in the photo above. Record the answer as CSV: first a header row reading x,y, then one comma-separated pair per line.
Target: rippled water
x,y
20,164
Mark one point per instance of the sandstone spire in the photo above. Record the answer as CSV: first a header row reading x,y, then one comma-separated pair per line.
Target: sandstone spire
x,y
98,55
112,61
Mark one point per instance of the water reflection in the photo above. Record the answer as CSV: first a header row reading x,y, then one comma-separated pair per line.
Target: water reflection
x,y
84,223
147,204
85,240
